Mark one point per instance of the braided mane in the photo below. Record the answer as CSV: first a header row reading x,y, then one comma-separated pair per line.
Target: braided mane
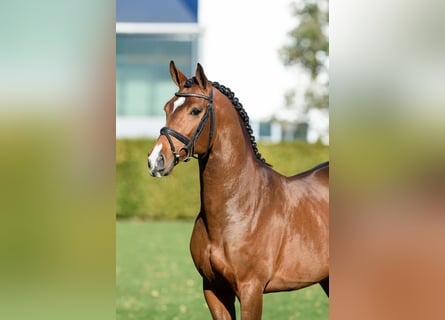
x,y
239,108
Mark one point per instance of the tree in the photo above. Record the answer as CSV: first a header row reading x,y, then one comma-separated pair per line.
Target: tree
x,y
309,48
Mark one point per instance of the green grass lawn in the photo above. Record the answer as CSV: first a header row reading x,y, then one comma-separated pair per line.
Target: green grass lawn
x,y
156,278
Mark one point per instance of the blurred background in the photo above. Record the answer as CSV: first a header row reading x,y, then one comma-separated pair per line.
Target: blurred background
x,y
59,154
274,56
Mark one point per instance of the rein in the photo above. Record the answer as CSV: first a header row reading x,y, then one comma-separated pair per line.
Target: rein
x,y
190,143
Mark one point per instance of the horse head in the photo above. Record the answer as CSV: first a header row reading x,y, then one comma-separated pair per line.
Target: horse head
x,y
189,127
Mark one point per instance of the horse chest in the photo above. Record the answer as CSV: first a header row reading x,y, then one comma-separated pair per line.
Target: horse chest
x,y
209,259
214,264
220,264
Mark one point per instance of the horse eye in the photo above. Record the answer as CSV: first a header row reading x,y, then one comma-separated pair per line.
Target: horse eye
x,y
195,112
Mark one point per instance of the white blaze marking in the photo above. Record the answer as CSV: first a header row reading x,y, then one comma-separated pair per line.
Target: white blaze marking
x,y
179,102
154,155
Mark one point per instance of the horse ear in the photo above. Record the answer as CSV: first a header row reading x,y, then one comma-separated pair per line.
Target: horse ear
x,y
177,76
201,77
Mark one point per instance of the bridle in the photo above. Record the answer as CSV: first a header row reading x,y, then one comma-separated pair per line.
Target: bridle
x,y
189,147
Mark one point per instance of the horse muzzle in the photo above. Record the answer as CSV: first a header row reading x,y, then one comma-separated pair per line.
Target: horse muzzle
x,y
157,163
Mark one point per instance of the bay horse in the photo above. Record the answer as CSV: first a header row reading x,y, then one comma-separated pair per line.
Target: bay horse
x,y
257,231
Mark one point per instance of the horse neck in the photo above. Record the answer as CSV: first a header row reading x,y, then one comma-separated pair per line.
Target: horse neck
x,y
231,155
231,151
231,167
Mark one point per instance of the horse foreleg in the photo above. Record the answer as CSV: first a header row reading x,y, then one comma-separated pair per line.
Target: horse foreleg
x,y
251,301
221,302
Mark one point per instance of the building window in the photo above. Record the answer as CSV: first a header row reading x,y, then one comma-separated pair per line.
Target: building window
x,y
143,82
265,130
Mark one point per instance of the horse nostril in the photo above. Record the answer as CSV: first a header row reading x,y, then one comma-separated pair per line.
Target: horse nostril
x,y
160,162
